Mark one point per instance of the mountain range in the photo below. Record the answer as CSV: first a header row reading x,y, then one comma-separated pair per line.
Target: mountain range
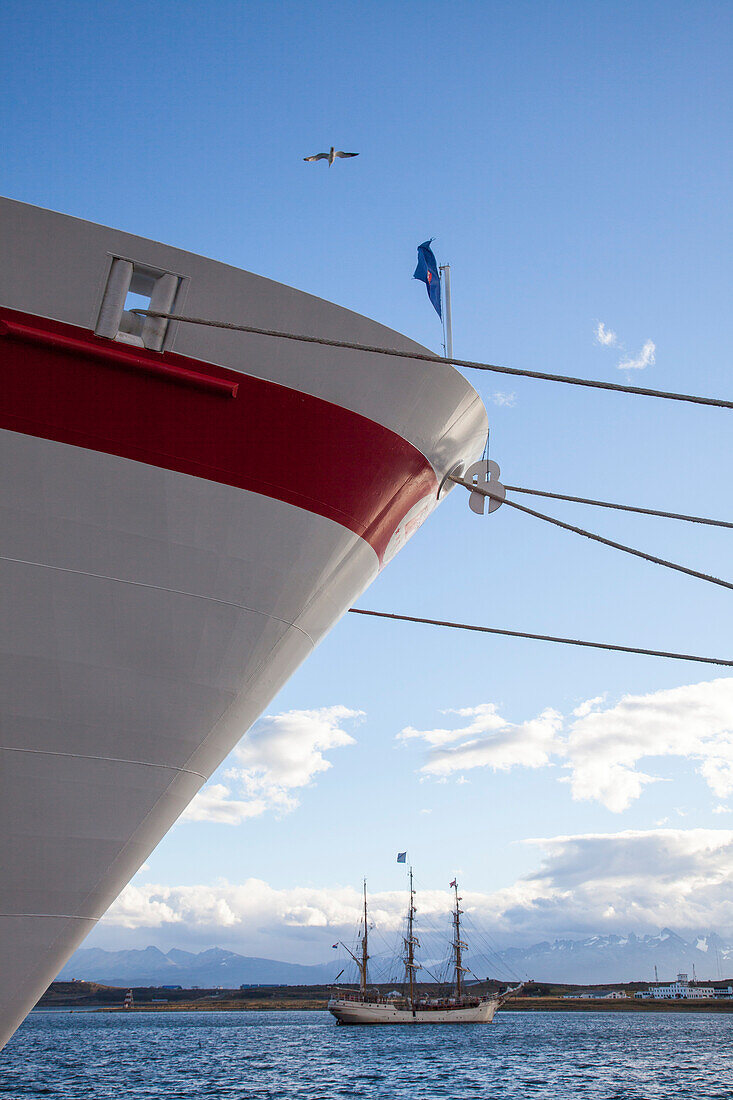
x,y
594,959
623,958
207,969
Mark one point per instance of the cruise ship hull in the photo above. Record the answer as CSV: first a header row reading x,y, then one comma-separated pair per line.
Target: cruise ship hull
x,y
184,514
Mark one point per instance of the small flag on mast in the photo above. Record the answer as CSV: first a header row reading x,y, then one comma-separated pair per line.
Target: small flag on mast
x,y
427,272
402,857
334,946
455,882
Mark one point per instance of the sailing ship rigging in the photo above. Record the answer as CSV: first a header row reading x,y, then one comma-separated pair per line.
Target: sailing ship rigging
x,y
370,1006
361,963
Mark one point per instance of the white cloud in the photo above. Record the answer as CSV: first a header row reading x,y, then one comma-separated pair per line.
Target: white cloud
x,y
216,803
721,809
281,754
588,706
603,748
254,905
596,882
633,880
645,358
488,741
508,400
605,336
608,339
484,718
600,748
142,905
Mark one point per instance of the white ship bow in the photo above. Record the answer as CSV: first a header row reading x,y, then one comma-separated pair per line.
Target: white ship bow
x,y
184,513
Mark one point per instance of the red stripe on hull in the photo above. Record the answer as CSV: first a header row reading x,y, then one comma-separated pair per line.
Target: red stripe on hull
x,y
64,383
117,356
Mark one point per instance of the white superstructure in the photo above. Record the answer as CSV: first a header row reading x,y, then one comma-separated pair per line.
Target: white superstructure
x,y
683,990
184,513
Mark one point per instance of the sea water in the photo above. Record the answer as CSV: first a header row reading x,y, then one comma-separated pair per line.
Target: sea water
x,y
281,1055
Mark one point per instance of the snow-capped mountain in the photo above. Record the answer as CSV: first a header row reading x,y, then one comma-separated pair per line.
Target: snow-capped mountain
x,y
595,959
623,958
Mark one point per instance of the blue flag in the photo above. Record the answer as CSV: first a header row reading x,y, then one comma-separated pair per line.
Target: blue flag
x,y
402,857
427,272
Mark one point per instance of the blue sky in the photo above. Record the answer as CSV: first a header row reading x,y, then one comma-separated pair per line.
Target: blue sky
x,y
573,163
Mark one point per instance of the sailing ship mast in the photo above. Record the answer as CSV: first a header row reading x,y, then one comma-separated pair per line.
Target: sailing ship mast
x,y
411,942
361,963
364,947
458,944
415,1007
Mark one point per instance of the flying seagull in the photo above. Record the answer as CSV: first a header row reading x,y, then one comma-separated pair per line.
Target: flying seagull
x,y
331,155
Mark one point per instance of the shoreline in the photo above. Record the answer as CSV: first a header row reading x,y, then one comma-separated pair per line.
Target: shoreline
x,y
524,1004
95,997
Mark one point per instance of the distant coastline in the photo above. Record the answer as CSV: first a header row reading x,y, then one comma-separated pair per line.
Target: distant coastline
x,y
527,1004
89,996
522,1004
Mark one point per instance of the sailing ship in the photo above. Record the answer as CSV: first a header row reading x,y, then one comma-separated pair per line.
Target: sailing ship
x,y
460,1006
185,512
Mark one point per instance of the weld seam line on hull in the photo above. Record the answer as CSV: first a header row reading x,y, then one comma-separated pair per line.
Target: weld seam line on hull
x,y
106,759
156,588
51,916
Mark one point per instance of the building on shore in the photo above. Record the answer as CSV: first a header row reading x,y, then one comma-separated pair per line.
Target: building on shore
x,y
598,995
683,990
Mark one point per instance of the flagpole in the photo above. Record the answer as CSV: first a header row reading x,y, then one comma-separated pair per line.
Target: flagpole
x,y
445,270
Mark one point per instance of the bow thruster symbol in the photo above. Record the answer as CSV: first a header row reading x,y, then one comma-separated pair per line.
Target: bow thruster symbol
x,y
484,475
